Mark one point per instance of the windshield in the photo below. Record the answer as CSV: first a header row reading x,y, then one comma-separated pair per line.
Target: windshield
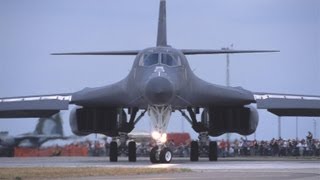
x,y
170,60
151,59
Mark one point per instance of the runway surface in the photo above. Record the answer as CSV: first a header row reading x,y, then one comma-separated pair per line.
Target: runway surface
x,y
225,168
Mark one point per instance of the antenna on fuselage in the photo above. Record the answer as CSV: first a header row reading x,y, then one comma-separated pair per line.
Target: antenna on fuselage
x,y
162,25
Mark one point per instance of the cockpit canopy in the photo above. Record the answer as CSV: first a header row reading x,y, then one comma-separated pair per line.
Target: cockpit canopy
x,y
151,58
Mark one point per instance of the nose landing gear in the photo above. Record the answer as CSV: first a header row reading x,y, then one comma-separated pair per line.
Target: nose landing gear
x,y
160,116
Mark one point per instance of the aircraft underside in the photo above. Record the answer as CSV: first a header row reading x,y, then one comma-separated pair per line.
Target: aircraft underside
x,y
114,122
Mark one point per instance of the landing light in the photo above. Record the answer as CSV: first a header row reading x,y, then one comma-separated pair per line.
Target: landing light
x,y
159,137
163,138
156,135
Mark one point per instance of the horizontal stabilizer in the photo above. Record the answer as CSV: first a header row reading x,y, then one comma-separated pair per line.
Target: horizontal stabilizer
x,y
222,51
101,53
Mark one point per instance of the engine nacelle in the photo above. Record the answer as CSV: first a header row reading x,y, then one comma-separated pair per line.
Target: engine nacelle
x,y
220,120
85,121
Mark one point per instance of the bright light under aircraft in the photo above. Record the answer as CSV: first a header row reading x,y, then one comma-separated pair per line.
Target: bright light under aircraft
x,y
161,82
156,135
162,138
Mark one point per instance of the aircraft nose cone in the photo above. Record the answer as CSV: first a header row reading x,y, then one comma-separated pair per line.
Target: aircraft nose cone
x,y
159,90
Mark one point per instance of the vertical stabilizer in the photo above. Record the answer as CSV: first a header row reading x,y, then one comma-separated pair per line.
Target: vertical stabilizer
x,y
162,26
50,126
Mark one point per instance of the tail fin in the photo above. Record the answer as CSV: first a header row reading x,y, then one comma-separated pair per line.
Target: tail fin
x,y
50,126
162,25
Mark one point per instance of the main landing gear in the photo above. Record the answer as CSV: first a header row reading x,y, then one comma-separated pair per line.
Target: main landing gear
x,y
202,147
127,149
121,144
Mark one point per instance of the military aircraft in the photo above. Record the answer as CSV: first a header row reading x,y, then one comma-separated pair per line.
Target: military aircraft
x,y
159,83
46,129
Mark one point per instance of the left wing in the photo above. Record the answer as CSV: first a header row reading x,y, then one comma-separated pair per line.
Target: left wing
x,y
33,106
288,104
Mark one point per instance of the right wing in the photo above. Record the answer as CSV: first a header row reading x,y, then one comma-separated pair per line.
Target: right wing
x,y
33,106
288,104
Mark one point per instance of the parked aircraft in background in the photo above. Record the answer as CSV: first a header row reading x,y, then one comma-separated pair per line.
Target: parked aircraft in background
x,y
159,83
46,129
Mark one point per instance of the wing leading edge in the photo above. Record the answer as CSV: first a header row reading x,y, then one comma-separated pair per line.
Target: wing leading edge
x,y
222,51
289,104
33,106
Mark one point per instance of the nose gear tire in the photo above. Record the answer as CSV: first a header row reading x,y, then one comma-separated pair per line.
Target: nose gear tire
x,y
165,155
153,155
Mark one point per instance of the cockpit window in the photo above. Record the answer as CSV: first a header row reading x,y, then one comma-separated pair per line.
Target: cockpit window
x,y
150,59
170,60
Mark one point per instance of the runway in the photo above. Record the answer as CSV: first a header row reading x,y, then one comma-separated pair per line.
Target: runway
x,y
202,164
225,168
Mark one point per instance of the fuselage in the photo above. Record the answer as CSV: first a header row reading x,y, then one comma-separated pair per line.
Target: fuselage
x,y
160,74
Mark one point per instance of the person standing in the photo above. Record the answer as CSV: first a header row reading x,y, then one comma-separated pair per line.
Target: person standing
x,y
309,137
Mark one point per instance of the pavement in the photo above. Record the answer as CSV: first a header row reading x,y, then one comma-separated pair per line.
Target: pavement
x,y
224,168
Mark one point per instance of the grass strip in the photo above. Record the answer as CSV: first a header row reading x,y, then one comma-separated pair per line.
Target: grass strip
x,y
54,173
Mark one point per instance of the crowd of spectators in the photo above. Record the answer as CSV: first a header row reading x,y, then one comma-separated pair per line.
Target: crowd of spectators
x,y
273,147
238,147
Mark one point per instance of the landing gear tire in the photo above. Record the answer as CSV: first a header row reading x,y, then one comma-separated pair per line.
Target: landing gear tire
x,y
194,151
113,155
154,157
165,155
132,151
213,151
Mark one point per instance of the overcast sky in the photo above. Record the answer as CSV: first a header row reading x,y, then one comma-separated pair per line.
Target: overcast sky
x,y
31,30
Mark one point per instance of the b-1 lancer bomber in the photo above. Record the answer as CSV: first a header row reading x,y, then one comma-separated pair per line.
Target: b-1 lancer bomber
x,y
160,83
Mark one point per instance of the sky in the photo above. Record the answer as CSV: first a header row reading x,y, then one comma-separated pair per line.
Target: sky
x,y
31,30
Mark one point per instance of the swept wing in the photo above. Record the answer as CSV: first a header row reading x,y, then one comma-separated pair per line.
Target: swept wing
x,y
288,104
33,106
